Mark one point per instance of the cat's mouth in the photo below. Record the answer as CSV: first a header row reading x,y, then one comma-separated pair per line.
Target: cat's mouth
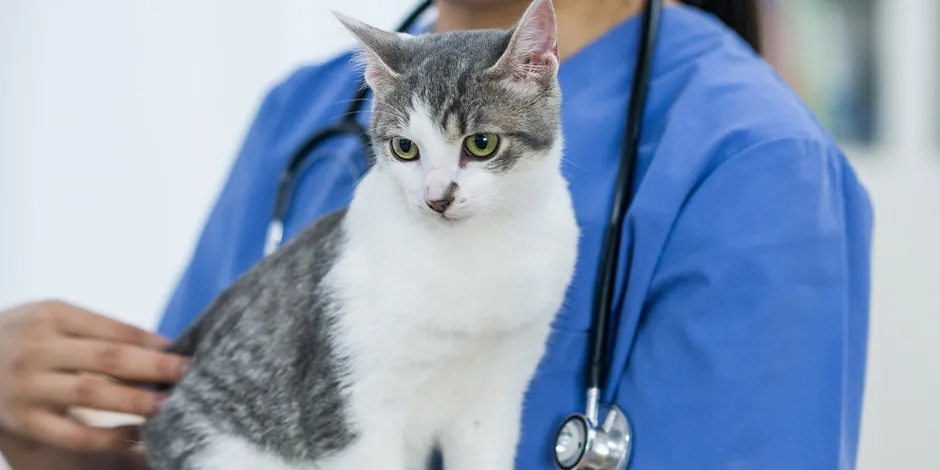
x,y
450,219
449,216
446,218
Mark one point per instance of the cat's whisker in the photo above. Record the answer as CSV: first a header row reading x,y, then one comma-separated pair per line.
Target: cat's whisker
x,y
360,178
351,113
350,100
571,162
499,203
355,99
396,116
495,219
497,211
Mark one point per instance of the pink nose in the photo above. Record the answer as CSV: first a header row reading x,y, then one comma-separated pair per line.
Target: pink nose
x,y
439,205
439,201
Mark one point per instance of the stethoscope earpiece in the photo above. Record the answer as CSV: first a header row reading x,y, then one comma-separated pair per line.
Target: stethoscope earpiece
x,y
581,445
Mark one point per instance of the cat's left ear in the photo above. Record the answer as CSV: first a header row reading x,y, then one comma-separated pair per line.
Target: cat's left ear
x,y
532,53
380,54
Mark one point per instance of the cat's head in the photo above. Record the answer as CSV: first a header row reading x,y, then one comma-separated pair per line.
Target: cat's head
x,y
466,122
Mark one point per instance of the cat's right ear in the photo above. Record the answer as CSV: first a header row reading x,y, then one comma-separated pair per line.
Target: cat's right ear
x,y
378,53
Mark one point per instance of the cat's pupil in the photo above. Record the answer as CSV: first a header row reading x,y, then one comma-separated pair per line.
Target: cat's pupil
x,y
480,141
404,145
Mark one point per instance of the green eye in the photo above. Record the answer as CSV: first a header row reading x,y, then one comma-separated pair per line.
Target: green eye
x,y
481,145
404,148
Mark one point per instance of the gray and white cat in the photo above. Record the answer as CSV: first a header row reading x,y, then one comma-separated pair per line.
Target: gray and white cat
x,y
414,319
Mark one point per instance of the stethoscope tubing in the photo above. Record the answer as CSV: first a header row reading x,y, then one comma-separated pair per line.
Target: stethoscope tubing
x,y
622,198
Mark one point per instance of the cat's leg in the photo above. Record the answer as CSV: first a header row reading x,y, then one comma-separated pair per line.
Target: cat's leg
x,y
485,435
418,455
487,416
229,452
373,450
379,444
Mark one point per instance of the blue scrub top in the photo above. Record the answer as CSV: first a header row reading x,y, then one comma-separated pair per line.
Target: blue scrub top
x,y
741,337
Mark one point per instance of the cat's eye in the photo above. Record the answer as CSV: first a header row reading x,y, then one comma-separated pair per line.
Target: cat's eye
x,y
404,148
481,145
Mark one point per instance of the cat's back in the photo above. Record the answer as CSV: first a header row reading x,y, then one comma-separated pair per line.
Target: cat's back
x,y
262,353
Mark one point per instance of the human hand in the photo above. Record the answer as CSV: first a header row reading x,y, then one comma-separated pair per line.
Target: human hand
x,y
25,454
54,356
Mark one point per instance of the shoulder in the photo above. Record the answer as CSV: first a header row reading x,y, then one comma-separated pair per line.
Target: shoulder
x,y
306,78
737,150
726,105
312,88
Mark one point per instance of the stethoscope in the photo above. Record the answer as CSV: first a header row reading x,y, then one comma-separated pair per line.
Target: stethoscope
x,y
583,441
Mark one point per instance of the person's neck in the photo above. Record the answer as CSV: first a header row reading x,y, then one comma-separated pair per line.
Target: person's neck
x,y
580,22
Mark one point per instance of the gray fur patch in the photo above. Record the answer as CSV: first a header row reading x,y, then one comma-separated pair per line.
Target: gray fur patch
x,y
264,367
447,72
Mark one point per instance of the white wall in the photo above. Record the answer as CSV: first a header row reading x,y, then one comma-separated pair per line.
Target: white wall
x,y
118,120
901,424
103,102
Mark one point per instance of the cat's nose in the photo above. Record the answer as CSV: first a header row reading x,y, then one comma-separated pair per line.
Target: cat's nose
x,y
440,197
439,205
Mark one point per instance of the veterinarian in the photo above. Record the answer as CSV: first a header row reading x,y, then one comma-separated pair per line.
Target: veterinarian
x,y
740,325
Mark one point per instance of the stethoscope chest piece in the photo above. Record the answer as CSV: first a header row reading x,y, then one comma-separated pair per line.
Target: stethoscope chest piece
x,y
579,445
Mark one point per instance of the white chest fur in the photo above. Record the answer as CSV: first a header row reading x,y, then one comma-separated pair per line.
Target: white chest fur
x,y
444,325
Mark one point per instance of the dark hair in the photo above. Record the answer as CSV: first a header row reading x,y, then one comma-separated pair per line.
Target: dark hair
x,y
740,15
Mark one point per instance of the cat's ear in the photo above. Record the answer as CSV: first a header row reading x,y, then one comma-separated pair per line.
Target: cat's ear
x,y
379,53
532,53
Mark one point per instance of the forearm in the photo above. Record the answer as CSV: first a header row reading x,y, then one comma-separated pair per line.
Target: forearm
x,y
22,454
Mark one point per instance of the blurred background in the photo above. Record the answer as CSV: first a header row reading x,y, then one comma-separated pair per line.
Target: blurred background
x,y
119,119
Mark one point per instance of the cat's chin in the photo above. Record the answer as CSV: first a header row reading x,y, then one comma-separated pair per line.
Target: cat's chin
x,y
444,220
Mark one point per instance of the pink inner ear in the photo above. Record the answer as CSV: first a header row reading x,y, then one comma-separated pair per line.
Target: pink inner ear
x,y
541,59
536,34
375,76
534,53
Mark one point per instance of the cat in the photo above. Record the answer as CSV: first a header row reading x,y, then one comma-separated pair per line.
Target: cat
x,y
413,320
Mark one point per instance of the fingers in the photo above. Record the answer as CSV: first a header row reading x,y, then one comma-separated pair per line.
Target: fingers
x,y
63,390
80,322
119,360
46,426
